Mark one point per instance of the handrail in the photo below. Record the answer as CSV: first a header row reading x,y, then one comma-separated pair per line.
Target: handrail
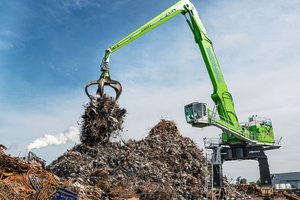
x,y
229,124
243,132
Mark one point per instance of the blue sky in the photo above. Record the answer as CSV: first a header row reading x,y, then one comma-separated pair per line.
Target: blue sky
x,y
49,50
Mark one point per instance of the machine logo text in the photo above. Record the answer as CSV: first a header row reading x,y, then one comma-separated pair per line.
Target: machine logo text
x,y
214,64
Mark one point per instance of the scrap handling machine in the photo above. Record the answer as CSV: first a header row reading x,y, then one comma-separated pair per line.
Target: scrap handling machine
x,y
239,141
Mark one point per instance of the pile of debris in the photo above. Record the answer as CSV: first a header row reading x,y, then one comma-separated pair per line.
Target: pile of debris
x,y
249,191
278,194
25,179
101,120
164,164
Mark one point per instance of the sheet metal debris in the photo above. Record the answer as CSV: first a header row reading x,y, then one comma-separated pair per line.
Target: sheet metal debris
x,y
164,164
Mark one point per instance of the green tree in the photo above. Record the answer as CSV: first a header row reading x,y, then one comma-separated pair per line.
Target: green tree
x,y
258,182
252,183
243,181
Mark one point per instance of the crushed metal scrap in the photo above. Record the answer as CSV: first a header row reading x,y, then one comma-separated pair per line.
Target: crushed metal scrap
x,y
248,189
164,164
96,126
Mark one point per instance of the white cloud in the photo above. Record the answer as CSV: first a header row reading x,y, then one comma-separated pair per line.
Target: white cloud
x,y
7,39
119,3
234,40
78,4
7,33
5,45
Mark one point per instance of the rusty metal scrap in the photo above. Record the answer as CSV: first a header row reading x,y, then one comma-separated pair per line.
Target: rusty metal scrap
x,y
278,194
2,147
246,190
22,181
12,164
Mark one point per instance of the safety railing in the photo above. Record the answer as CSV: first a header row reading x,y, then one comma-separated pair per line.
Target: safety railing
x,y
241,129
229,125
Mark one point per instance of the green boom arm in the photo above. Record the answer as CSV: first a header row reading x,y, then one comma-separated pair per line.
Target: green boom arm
x,y
220,95
159,19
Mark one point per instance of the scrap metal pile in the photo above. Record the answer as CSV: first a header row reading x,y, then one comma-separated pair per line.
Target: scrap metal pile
x,y
249,191
20,179
164,165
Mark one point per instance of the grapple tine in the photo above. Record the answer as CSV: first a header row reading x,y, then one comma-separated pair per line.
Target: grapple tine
x,y
92,98
101,84
117,87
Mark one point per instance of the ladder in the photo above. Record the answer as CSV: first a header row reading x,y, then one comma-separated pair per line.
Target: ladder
x,y
209,175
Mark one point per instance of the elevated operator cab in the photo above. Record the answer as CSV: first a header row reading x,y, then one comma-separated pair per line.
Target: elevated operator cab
x,y
196,114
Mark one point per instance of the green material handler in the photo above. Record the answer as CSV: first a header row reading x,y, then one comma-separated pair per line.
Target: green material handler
x,y
239,140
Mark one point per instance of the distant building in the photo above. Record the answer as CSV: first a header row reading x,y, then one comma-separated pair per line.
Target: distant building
x,y
286,180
